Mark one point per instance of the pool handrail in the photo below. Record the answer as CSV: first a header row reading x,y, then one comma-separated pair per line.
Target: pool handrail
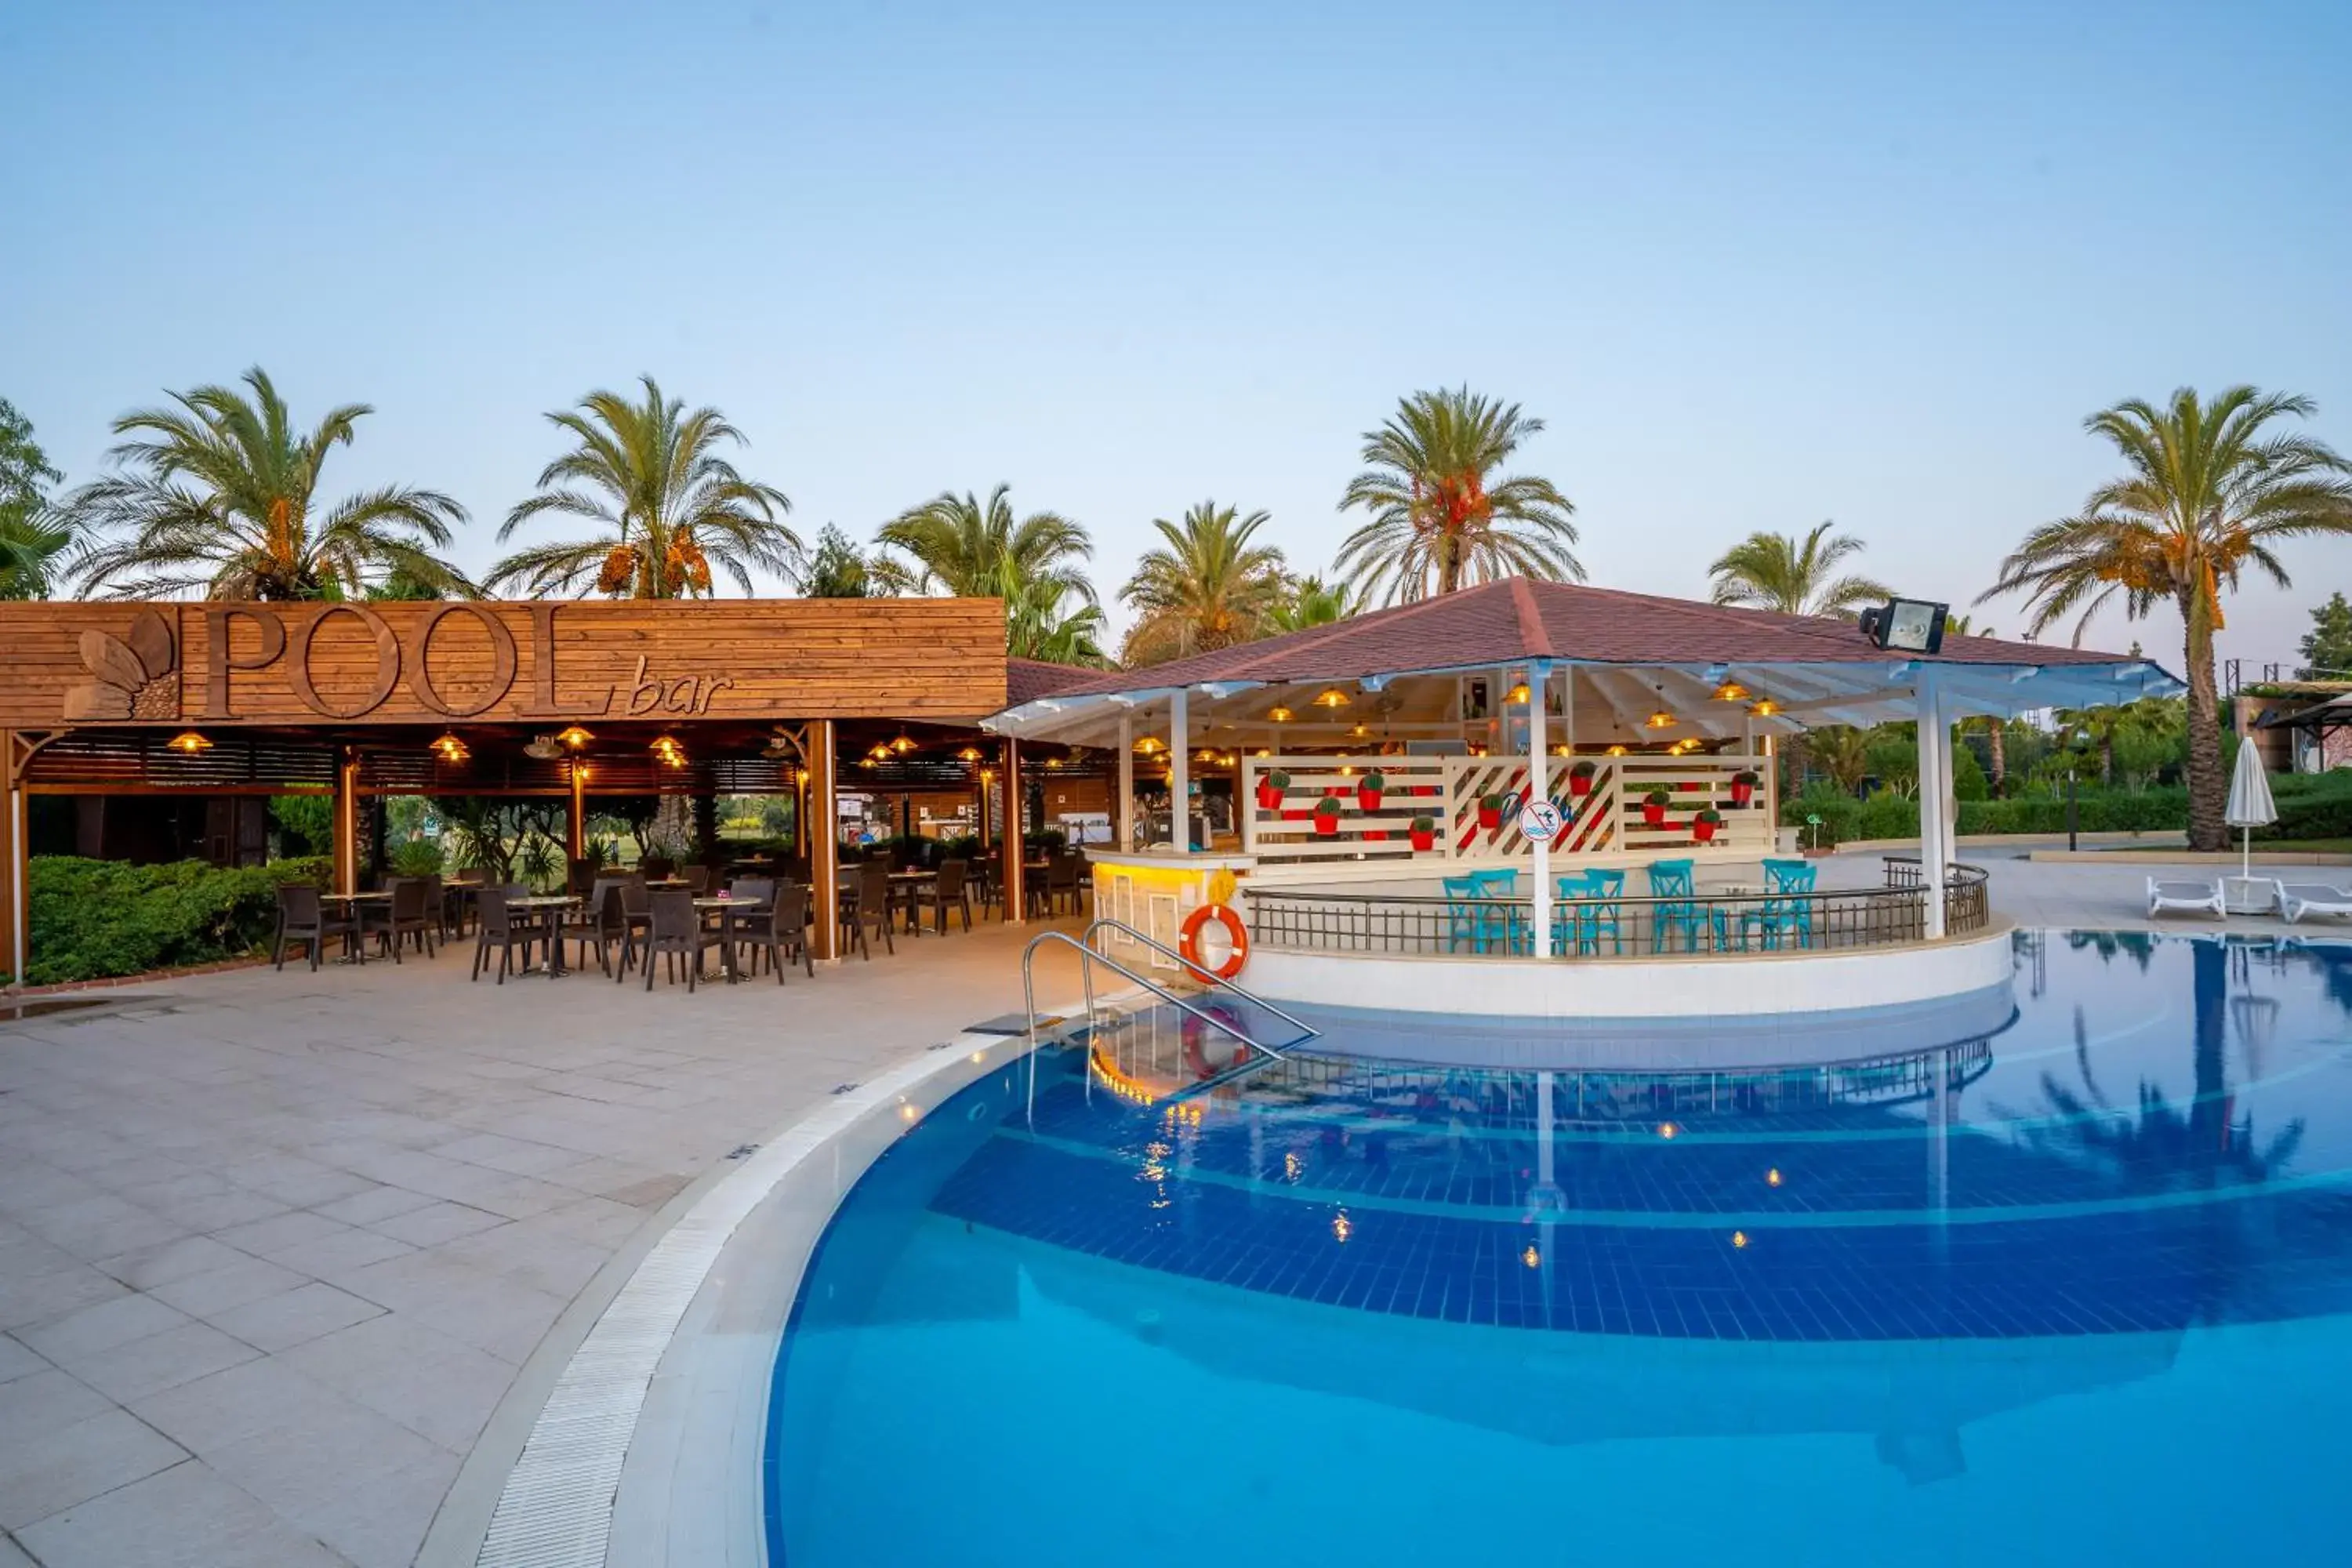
x,y
1215,981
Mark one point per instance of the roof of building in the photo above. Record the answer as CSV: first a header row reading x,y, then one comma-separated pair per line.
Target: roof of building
x,y
1026,679
1517,620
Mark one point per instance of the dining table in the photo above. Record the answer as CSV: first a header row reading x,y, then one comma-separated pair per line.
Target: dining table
x,y
546,911
354,949
727,909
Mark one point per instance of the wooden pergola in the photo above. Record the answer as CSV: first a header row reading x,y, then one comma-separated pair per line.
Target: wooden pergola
x,y
215,698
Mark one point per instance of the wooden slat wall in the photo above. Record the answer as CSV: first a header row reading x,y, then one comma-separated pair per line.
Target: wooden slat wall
x,y
779,659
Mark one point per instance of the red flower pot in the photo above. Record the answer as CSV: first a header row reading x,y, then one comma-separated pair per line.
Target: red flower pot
x,y
1368,799
1653,816
1490,817
1376,835
1268,797
1741,794
1579,785
1423,841
1327,823
1703,832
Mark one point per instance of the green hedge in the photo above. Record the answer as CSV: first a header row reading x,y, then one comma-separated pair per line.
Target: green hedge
x,y
2310,805
92,920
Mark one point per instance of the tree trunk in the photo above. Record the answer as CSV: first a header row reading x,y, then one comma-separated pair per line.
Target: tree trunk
x,y
2208,790
1997,748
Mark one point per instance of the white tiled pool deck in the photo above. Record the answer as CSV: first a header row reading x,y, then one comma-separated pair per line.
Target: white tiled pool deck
x,y
275,1248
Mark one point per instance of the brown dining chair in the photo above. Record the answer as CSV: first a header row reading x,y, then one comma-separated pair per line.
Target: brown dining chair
x,y
600,923
696,878
676,931
865,908
636,923
405,918
781,931
494,927
949,889
1062,884
302,918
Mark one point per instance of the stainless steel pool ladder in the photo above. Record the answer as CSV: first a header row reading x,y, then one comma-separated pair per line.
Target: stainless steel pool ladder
x,y
1089,955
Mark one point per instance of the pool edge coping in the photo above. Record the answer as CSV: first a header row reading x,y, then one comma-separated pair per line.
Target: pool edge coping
x,y
562,1512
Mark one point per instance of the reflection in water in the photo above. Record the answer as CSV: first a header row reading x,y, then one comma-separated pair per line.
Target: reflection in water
x,y
2045,1279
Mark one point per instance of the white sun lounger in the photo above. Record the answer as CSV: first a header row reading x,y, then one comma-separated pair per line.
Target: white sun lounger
x,y
2179,896
2297,899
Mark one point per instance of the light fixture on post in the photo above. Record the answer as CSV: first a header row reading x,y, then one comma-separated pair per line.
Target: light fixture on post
x,y
1731,691
902,745
188,743
1660,719
1616,750
671,755
1763,708
1278,714
451,747
573,738
969,754
1517,696
1332,697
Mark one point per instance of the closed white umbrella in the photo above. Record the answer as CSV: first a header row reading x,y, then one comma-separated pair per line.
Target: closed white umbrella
x,y
2250,804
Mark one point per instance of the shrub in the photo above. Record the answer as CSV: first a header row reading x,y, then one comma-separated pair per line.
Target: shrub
x,y
93,919
416,858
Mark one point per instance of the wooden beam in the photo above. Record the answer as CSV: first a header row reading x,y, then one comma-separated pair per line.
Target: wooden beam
x,y
824,842
1017,876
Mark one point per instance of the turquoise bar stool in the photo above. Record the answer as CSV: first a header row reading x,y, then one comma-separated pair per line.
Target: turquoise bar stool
x,y
1505,927
1786,912
1672,882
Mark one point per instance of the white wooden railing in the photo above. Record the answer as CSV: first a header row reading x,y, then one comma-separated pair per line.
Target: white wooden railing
x,y
1610,818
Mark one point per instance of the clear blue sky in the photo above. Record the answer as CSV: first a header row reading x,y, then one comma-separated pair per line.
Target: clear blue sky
x,y
1757,265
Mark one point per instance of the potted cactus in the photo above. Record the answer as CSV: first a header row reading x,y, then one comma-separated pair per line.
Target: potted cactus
x,y
1654,808
1368,790
1490,810
1423,832
1327,817
1704,825
1743,786
1270,789
1579,780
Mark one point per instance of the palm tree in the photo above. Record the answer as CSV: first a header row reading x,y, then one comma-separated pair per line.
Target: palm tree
x,y
1310,601
33,537
1207,587
1996,728
837,569
2207,491
1843,752
1794,576
1050,621
1439,516
220,494
963,546
668,507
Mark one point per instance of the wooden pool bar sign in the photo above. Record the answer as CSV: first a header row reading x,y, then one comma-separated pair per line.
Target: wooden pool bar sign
x,y
492,661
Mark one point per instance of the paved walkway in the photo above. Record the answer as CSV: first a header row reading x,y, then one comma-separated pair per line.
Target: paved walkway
x,y
274,1246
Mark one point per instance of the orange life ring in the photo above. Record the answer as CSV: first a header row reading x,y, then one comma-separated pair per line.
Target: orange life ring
x,y
1188,941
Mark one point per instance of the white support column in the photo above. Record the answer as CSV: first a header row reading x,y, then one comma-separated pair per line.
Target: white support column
x,y
1539,788
1935,768
1126,817
1179,775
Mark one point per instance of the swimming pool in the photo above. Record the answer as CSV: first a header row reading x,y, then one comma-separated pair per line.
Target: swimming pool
x,y
2073,1290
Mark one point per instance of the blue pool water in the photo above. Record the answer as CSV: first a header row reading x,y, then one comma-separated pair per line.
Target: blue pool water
x,y
2070,1290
